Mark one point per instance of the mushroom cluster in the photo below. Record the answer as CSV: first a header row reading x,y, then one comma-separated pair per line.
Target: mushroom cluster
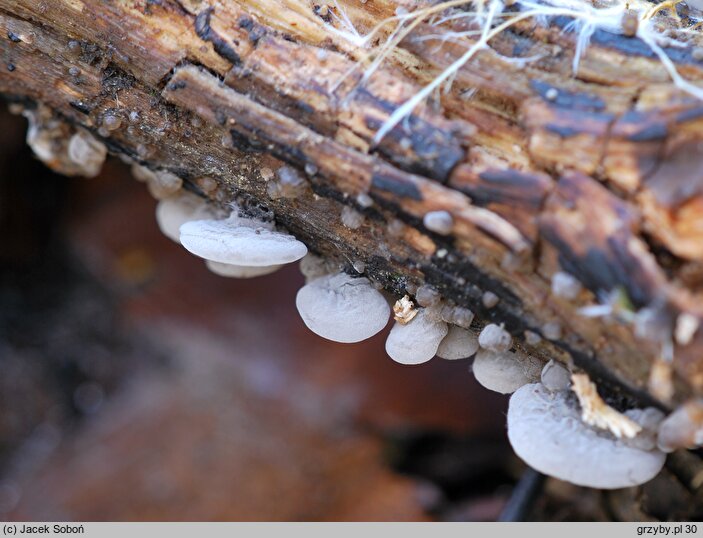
x,y
556,421
555,418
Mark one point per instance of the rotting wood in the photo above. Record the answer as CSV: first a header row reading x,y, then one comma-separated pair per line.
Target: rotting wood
x,y
540,170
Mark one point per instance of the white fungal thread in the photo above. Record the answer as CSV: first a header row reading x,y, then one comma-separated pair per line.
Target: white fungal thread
x,y
492,20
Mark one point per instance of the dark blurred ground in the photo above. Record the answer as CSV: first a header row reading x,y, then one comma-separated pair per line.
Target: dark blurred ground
x,y
136,385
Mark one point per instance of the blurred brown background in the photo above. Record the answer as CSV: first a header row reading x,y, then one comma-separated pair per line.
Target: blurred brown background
x,y
136,385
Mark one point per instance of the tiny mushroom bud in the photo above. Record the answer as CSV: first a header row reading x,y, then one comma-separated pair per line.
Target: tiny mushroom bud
x,y
686,327
495,338
489,299
649,419
426,295
342,308
555,376
440,222
240,271
683,428
174,211
351,218
458,344
417,341
160,183
545,430
87,152
229,241
532,338
313,267
565,286
552,330
505,372
457,315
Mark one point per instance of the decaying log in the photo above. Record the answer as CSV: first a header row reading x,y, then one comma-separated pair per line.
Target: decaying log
x,y
599,175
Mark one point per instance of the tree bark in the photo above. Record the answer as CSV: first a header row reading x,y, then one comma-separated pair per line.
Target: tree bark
x,y
599,175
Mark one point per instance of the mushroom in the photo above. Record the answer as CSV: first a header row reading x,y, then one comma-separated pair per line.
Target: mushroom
x,y
495,338
683,428
174,211
161,184
239,242
545,430
416,341
555,377
458,344
313,267
565,285
240,271
342,308
87,152
505,372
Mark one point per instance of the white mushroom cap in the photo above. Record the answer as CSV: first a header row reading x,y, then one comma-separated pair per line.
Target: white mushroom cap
x,y
683,428
227,241
240,271
545,430
87,152
495,338
174,211
342,308
161,184
416,341
649,420
565,285
458,344
505,372
555,376
313,267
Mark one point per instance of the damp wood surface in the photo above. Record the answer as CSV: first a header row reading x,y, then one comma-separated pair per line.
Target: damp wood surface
x,y
599,175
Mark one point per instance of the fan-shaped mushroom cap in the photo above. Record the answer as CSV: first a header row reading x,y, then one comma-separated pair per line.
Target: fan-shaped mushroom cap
x,y
341,308
458,344
505,372
227,241
416,341
240,271
546,431
174,211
